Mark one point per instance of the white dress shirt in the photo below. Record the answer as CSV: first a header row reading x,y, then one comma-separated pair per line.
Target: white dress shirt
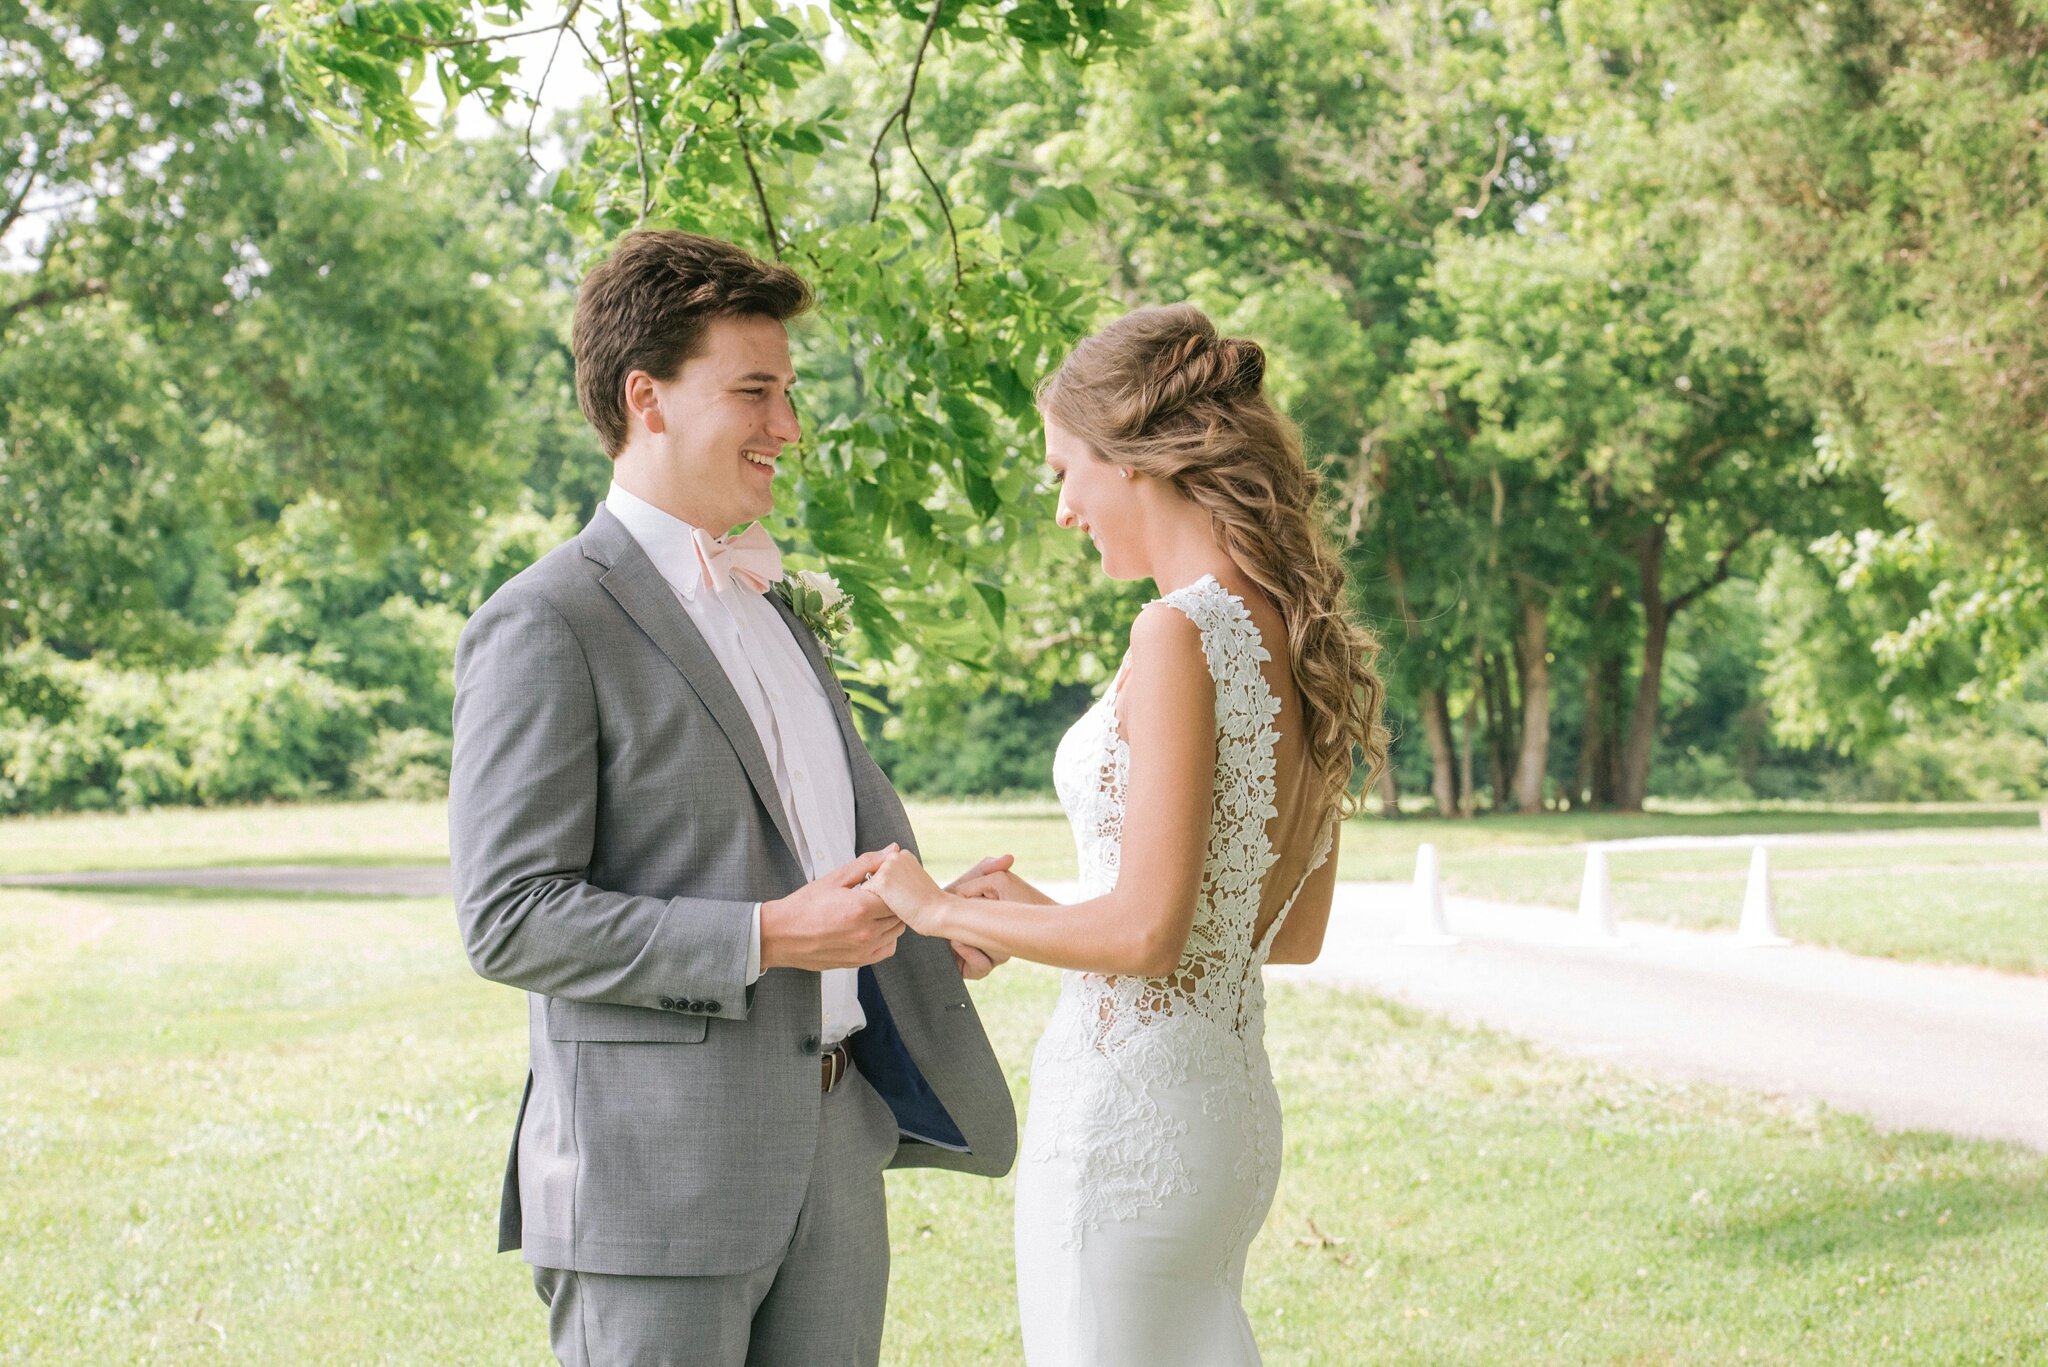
x,y
791,713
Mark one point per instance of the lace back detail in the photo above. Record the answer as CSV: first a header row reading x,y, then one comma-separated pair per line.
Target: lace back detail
x,y
1093,771
1203,1024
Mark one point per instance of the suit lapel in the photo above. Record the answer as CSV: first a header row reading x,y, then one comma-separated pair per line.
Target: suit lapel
x,y
633,582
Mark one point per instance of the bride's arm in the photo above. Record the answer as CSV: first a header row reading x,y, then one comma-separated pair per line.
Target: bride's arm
x,y
1167,707
1300,937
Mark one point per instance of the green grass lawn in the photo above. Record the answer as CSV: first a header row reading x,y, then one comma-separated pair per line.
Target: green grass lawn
x,y
258,1130
1957,884
189,838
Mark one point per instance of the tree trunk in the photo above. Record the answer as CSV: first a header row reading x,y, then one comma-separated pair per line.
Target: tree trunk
x,y
1532,649
1389,791
1600,741
1467,801
1589,737
1597,741
1607,777
1643,716
1436,712
1443,761
1593,738
1500,731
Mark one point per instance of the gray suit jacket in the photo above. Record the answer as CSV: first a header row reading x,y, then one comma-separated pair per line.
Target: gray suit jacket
x,y
613,820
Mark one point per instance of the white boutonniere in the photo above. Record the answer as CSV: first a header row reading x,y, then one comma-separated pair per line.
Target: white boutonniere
x,y
818,602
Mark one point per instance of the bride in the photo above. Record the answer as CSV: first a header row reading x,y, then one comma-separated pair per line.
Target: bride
x,y
1204,790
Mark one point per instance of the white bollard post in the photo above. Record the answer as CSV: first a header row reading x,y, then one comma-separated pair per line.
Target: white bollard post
x,y
1759,928
1596,903
1426,904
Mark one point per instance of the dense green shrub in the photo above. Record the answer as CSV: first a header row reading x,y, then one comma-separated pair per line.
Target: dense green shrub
x,y
271,728
412,763
368,621
1960,764
66,729
998,743
232,732
1693,773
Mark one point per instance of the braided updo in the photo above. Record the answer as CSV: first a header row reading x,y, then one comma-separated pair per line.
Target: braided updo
x,y
1159,392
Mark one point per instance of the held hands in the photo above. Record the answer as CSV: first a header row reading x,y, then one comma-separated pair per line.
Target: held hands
x,y
976,963
831,922
904,884
909,891
845,920
842,919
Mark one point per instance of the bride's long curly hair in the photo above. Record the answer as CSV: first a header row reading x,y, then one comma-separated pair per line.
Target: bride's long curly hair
x,y
1160,392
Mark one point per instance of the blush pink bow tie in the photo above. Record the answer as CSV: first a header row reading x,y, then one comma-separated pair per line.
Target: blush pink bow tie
x,y
749,560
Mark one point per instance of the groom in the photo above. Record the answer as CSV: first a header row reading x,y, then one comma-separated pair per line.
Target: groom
x,y
660,820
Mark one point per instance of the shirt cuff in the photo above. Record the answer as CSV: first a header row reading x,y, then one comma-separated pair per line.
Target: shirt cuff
x,y
754,948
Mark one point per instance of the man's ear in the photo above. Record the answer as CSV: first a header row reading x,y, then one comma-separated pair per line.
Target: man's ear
x,y
643,397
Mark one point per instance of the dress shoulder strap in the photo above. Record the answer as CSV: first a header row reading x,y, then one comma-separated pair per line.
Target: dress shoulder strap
x,y
1231,644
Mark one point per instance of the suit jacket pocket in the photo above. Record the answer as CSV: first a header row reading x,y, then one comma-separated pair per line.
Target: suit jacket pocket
x,y
603,1022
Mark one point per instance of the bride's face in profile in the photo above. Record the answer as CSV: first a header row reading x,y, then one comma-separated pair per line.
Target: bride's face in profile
x,y
1096,498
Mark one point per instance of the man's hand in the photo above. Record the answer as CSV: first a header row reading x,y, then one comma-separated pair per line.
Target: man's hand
x,y
831,922
977,963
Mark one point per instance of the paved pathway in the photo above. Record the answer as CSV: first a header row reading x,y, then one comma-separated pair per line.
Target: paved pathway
x,y
413,880
1914,1046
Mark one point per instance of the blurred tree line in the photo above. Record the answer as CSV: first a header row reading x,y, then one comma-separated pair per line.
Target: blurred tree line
x,y
1676,370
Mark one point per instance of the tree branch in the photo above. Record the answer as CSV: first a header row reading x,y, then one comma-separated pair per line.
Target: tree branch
x,y
754,175
14,204
739,119
945,209
1723,567
555,51
611,96
900,117
633,101
1500,159
90,288
480,39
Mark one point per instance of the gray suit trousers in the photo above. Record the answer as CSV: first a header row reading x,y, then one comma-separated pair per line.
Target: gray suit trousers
x,y
819,1303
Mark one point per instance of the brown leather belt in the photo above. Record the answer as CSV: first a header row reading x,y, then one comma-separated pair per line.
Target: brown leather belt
x,y
835,1063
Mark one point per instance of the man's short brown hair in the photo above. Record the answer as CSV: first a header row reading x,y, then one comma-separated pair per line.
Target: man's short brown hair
x,y
646,305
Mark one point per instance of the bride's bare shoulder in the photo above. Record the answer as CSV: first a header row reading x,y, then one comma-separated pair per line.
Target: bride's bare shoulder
x,y
1165,634
1168,672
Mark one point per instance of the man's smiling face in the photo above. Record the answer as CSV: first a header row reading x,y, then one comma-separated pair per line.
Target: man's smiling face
x,y
722,423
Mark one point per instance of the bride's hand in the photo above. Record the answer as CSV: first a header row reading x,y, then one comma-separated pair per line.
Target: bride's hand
x,y
910,892
1001,885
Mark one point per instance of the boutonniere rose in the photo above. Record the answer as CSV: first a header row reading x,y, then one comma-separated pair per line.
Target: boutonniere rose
x,y
817,601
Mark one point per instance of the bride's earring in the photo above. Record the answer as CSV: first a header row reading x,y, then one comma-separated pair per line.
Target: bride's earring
x,y
1123,472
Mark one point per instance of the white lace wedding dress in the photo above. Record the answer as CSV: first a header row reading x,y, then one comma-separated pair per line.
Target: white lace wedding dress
x,y
1152,1148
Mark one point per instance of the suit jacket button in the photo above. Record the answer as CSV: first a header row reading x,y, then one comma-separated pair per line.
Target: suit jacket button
x,y
810,1044
710,1008
668,1003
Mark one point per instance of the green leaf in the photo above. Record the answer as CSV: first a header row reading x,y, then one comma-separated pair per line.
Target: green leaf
x,y
993,600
